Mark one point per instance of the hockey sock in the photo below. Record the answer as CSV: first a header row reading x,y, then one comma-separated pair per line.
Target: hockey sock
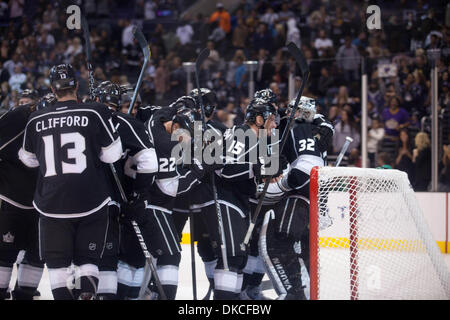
x,y
129,281
28,278
168,275
5,278
61,283
107,285
248,270
209,270
258,273
86,276
227,284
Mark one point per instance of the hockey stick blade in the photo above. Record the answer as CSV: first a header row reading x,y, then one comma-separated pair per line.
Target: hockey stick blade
x,y
86,35
137,33
204,54
299,58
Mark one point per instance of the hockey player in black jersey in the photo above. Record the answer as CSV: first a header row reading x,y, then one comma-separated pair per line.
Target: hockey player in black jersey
x,y
69,142
254,269
284,244
236,182
18,218
136,172
172,180
201,195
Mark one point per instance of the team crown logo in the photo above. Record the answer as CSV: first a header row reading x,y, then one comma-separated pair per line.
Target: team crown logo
x,y
8,238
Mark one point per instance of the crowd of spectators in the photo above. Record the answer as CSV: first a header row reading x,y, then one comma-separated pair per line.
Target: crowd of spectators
x,y
332,35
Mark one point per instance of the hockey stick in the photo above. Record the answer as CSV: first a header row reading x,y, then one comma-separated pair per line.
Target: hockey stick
x,y
147,53
87,46
348,140
301,62
204,54
194,274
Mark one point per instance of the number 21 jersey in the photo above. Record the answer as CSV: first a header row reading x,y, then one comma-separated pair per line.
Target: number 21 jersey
x,y
68,142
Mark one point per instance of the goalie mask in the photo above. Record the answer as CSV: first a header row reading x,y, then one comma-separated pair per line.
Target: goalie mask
x,y
259,107
306,109
209,100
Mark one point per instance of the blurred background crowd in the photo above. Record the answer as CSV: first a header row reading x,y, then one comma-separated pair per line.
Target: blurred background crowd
x,y
332,35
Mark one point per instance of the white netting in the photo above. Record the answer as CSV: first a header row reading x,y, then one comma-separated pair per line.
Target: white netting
x,y
378,245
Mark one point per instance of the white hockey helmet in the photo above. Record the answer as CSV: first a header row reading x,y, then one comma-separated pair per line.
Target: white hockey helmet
x,y
306,109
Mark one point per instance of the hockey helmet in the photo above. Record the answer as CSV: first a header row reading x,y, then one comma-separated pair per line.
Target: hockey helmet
x,y
186,119
28,96
46,101
62,77
109,93
209,100
259,107
184,102
266,94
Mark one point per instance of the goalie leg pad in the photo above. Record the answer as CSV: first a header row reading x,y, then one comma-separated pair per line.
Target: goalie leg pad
x,y
281,261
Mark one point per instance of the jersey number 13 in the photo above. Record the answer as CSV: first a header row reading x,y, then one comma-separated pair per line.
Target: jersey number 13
x,y
75,154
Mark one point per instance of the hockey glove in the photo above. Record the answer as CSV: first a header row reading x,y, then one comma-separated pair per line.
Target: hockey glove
x,y
134,210
323,132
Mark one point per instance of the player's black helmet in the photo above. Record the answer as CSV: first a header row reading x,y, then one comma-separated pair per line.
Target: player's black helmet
x,y
46,101
186,118
266,94
259,107
29,93
62,77
184,102
109,93
209,99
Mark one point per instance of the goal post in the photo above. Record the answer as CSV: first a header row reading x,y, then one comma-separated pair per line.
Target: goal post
x,y
369,239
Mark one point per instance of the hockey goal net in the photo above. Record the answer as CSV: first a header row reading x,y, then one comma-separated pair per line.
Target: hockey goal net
x,y
369,239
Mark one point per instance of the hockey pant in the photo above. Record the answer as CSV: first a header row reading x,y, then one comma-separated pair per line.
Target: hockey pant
x,y
227,283
162,240
284,247
19,231
254,269
107,285
72,249
201,235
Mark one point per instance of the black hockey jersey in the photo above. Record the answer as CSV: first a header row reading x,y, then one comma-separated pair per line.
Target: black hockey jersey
x,y
303,154
17,182
139,164
143,114
68,142
169,181
238,178
202,195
